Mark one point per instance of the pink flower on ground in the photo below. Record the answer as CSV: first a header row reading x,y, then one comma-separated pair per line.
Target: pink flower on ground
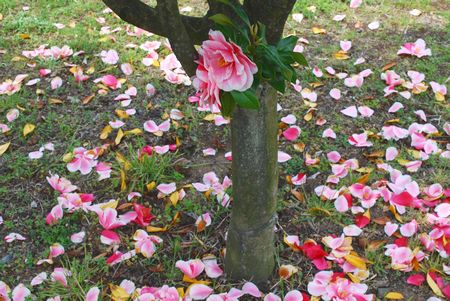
x,y
191,268
394,132
83,161
109,57
62,185
359,140
335,93
146,244
199,291
417,48
409,229
59,275
92,294
212,269
111,81
108,218
292,133
402,257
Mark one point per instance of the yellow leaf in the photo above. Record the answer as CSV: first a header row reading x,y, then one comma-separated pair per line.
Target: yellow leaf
x,y
118,293
28,128
87,99
153,229
67,157
396,215
4,147
156,63
363,179
111,204
402,162
434,287
209,117
122,114
353,278
150,186
365,169
318,30
394,296
135,131
286,271
439,96
24,36
180,291
119,137
55,101
174,198
90,70
341,55
123,178
317,210
356,261
105,132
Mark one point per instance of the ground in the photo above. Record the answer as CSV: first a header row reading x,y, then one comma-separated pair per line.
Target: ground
x,y
75,114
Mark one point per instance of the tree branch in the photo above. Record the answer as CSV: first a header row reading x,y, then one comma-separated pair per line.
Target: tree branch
x,y
180,41
143,16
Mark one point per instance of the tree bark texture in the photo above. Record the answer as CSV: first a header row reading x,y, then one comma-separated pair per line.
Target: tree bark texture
x,y
250,240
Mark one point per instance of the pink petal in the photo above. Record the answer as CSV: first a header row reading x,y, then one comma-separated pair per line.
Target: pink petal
x,y
199,291
391,153
292,133
345,45
365,111
395,107
293,295
335,93
415,279
92,294
251,289
167,188
341,204
283,157
355,3
350,111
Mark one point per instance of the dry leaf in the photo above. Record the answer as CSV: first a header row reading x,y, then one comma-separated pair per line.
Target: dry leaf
x,y
105,132
434,287
28,129
341,55
87,99
286,271
174,198
388,66
318,30
356,261
55,101
394,296
119,137
24,36
123,178
4,148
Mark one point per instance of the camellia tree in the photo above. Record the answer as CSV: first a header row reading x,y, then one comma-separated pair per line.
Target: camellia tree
x,y
241,64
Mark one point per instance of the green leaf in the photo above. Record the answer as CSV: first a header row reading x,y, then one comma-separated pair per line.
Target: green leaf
x,y
238,10
221,19
228,104
246,99
279,84
299,58
287,44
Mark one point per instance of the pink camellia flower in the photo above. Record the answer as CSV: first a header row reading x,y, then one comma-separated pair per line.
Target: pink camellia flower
x,y
104,170
111,81
340,246
151,127
83,161
394,132
109,57
59,275
10,87
212,269
402,257
359,140
109,220
391,78
62,185
55,214
146,244
228,66
418,48
191,268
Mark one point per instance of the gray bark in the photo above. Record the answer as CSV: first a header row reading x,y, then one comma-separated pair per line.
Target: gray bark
x,y
250,242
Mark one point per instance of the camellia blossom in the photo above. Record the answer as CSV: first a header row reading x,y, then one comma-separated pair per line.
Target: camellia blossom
x,y
222,66
418,48
191,268
146,244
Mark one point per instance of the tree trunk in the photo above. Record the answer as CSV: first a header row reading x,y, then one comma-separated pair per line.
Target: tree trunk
x,y
250,242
